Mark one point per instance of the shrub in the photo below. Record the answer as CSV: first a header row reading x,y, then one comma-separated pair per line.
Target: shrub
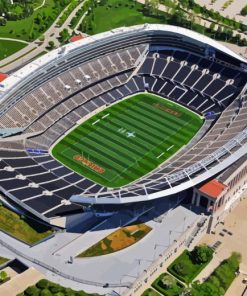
x,y
42,284
168,281
54,288
46,292
32,291
181,268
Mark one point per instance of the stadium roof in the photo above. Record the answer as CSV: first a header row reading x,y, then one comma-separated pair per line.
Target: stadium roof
x,y
213,188
50,57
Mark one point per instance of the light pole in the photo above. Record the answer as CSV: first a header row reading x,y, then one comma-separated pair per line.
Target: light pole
x,y
185,217
170,232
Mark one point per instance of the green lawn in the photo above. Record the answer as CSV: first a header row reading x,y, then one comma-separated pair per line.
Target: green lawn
x,y
192,268
3,260
150,292
168,285
28,28
118,13
127,140
7,48
24,229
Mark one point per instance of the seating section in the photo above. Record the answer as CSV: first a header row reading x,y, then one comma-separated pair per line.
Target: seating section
x,y
33,178
75,80
196,82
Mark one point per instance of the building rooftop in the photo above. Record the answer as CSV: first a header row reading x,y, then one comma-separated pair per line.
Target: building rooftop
x,y
3,76
76,38
212,188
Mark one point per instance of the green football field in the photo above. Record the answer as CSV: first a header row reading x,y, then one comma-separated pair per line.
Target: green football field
x,y
127,140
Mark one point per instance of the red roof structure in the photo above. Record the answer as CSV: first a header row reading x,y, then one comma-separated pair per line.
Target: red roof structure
x,y
213,188
76,38
3,76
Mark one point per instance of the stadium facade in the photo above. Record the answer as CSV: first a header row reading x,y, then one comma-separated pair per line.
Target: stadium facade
x,y
46,98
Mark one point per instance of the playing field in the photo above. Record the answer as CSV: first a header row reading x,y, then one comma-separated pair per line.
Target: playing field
x,y
127,140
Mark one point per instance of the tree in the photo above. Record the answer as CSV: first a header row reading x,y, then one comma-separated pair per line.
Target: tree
x,y
212,26
64,35
244,11
51,44
168,281
32,291
152,6
42,284
202,254
46,292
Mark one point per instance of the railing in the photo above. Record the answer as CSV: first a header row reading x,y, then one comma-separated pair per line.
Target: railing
x,y
60,273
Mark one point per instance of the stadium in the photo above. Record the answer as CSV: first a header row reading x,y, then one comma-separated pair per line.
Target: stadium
x,y
126,116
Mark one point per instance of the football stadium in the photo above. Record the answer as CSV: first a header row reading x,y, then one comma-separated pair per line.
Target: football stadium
x,y
126,116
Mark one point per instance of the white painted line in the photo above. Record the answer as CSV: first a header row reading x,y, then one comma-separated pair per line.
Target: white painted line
x,y
169,148
160,155
95,122
105,115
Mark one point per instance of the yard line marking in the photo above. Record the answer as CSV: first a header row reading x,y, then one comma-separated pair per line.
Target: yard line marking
x,y
95,122
160,155
105,115
169,148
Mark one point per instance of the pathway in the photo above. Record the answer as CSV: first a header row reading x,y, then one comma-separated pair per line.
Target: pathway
x,y
236,223
42,4
25,55
197,18
232,11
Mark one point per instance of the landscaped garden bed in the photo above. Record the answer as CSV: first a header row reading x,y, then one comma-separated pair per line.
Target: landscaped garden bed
x,y
189,264
168,285
23,228
118,240
221,278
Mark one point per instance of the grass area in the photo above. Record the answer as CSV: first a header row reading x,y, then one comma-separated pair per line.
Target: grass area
x,y
3,260
33,26
168,285
47,288
22,228
189,268
8,48
221,278
118,240
19,57
127,140
117,13
150,292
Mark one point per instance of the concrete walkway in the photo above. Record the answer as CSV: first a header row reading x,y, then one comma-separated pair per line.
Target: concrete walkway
x,y
232,11
120,267
197,18
42,4
236,223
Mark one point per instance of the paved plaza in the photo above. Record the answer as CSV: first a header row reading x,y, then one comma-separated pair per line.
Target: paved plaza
x,y
120,267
